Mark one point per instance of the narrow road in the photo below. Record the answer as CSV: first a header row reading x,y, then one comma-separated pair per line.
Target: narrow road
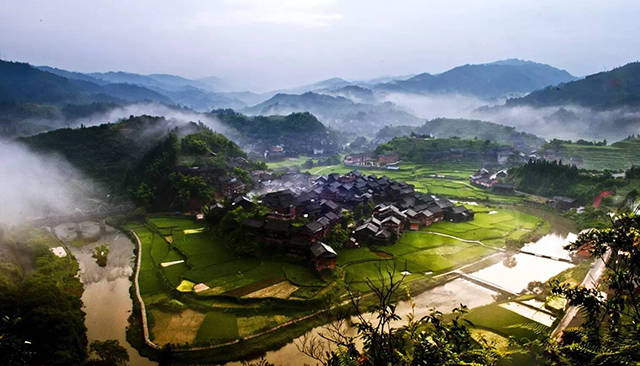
x,y
590,281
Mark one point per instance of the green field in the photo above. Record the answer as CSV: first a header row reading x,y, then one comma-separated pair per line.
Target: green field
x,y
504,322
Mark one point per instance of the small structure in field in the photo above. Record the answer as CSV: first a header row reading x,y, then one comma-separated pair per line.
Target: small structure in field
x,y
58,252
323,256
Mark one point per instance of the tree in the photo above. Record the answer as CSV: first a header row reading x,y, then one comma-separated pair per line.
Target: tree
x,y
109,352
337,236
611,331
430,340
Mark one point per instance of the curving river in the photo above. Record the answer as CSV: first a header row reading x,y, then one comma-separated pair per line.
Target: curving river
x,y
106,299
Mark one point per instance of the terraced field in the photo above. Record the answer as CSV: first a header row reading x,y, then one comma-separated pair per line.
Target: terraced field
x,y
618,156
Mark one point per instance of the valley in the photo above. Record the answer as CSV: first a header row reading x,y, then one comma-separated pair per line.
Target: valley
x,y
319,183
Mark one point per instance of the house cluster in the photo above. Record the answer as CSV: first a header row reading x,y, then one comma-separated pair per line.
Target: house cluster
x,y
398,208
388,221
486,180
387,161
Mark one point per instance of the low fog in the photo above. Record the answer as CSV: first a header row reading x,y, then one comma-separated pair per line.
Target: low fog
x,y
35,186
565,122
155,109
437,105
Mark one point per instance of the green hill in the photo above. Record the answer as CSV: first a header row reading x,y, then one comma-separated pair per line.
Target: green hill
x,y
618,156
161,163
299,133
467,129
428,150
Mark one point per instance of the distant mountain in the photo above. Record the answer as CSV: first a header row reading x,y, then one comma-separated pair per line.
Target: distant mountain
x,y
354,93
201,94
335,111
332,83
487,81
23,83
615,88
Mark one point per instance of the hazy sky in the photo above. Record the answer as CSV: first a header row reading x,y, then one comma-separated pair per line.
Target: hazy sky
x,y
265,44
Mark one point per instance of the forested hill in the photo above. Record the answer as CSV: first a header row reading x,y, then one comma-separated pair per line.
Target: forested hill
x,y
615,88
492,80
300,133
422,150
336,112
159,163
466,129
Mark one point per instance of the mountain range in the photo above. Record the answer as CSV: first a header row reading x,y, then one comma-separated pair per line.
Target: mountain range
x,y
486,81
615,88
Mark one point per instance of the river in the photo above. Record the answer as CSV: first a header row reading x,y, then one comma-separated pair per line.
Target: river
x,y
106,299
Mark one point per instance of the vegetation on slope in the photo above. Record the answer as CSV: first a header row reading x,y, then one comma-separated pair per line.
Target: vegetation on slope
x,y
466,129
423,150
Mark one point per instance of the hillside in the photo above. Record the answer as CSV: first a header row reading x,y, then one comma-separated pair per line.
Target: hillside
x,y
487,81
159,163
466,129
299,133
615,88
336,112
429,150
617,156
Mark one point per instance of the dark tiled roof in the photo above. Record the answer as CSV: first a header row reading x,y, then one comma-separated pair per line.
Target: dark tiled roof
x,y
320,249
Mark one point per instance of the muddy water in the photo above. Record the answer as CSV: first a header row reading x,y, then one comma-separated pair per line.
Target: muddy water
x,y
106,299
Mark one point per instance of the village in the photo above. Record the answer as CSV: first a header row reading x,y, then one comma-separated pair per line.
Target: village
x,y
299,223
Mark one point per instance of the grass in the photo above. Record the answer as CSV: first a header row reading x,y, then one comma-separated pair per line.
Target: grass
x,y
503,322
217,327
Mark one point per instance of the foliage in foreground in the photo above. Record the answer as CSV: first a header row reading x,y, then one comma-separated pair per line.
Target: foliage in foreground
x,y
611,331
430,340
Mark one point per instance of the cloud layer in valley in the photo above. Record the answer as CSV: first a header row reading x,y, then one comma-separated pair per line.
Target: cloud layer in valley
x,y
34,185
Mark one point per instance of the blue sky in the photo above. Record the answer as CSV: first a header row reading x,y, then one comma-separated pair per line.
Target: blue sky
x,y
267,44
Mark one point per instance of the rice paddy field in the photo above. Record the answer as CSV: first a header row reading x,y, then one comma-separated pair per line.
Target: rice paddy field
x,y
249,294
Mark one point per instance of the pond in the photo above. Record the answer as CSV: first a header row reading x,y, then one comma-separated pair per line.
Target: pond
x,y
106,299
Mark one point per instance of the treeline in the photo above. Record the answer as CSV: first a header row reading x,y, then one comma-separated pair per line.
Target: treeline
x,y
557,143
557,179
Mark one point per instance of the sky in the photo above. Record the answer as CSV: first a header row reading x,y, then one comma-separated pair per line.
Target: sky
x,y
269,44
